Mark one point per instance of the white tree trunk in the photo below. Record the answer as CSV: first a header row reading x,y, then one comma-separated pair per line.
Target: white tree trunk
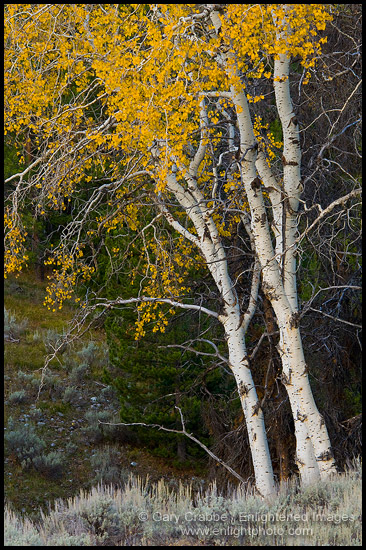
x,y
314,455
208,240
253,413
305,458
308,415
308,421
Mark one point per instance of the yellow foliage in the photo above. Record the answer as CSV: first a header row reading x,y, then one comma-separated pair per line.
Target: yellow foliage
x,y
68,268
15,252
68,67
165,278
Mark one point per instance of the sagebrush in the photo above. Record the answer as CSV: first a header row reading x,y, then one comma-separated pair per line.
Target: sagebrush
x,y
145,514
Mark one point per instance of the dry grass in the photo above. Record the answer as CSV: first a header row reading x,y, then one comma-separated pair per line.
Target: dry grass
x,y
146,514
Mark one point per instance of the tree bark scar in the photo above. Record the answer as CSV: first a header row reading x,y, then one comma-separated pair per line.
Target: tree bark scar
x,y
288,163
243,389
223,46
206,234
256,408
221,8
255,185
245,359
295,320
299,462
327,455
286,380
294,121
287,205
269,291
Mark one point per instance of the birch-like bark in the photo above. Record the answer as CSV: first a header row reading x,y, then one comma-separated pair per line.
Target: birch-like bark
x,y
210,245
309,415
313,450
253,414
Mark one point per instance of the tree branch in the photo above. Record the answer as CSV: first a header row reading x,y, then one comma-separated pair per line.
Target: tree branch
x,y
174,303
189,348
335,318
183,431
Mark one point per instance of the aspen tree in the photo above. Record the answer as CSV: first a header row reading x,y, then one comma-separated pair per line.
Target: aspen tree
x,y
314,455
142,117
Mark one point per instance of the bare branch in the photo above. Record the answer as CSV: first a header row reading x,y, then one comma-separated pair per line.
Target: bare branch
x,y
183,431
335,318
323,213
254,291
189,348
120,301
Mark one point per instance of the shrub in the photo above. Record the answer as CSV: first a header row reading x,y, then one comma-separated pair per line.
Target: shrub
x,y
19,532
51,383
35,413
71,395
88,353
95,431
133,516
27,378
23,442
51,465
36,336
51,340
31,381
108,395
64,539
13,329
71,448
78,373
17,397
105,463
102,516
